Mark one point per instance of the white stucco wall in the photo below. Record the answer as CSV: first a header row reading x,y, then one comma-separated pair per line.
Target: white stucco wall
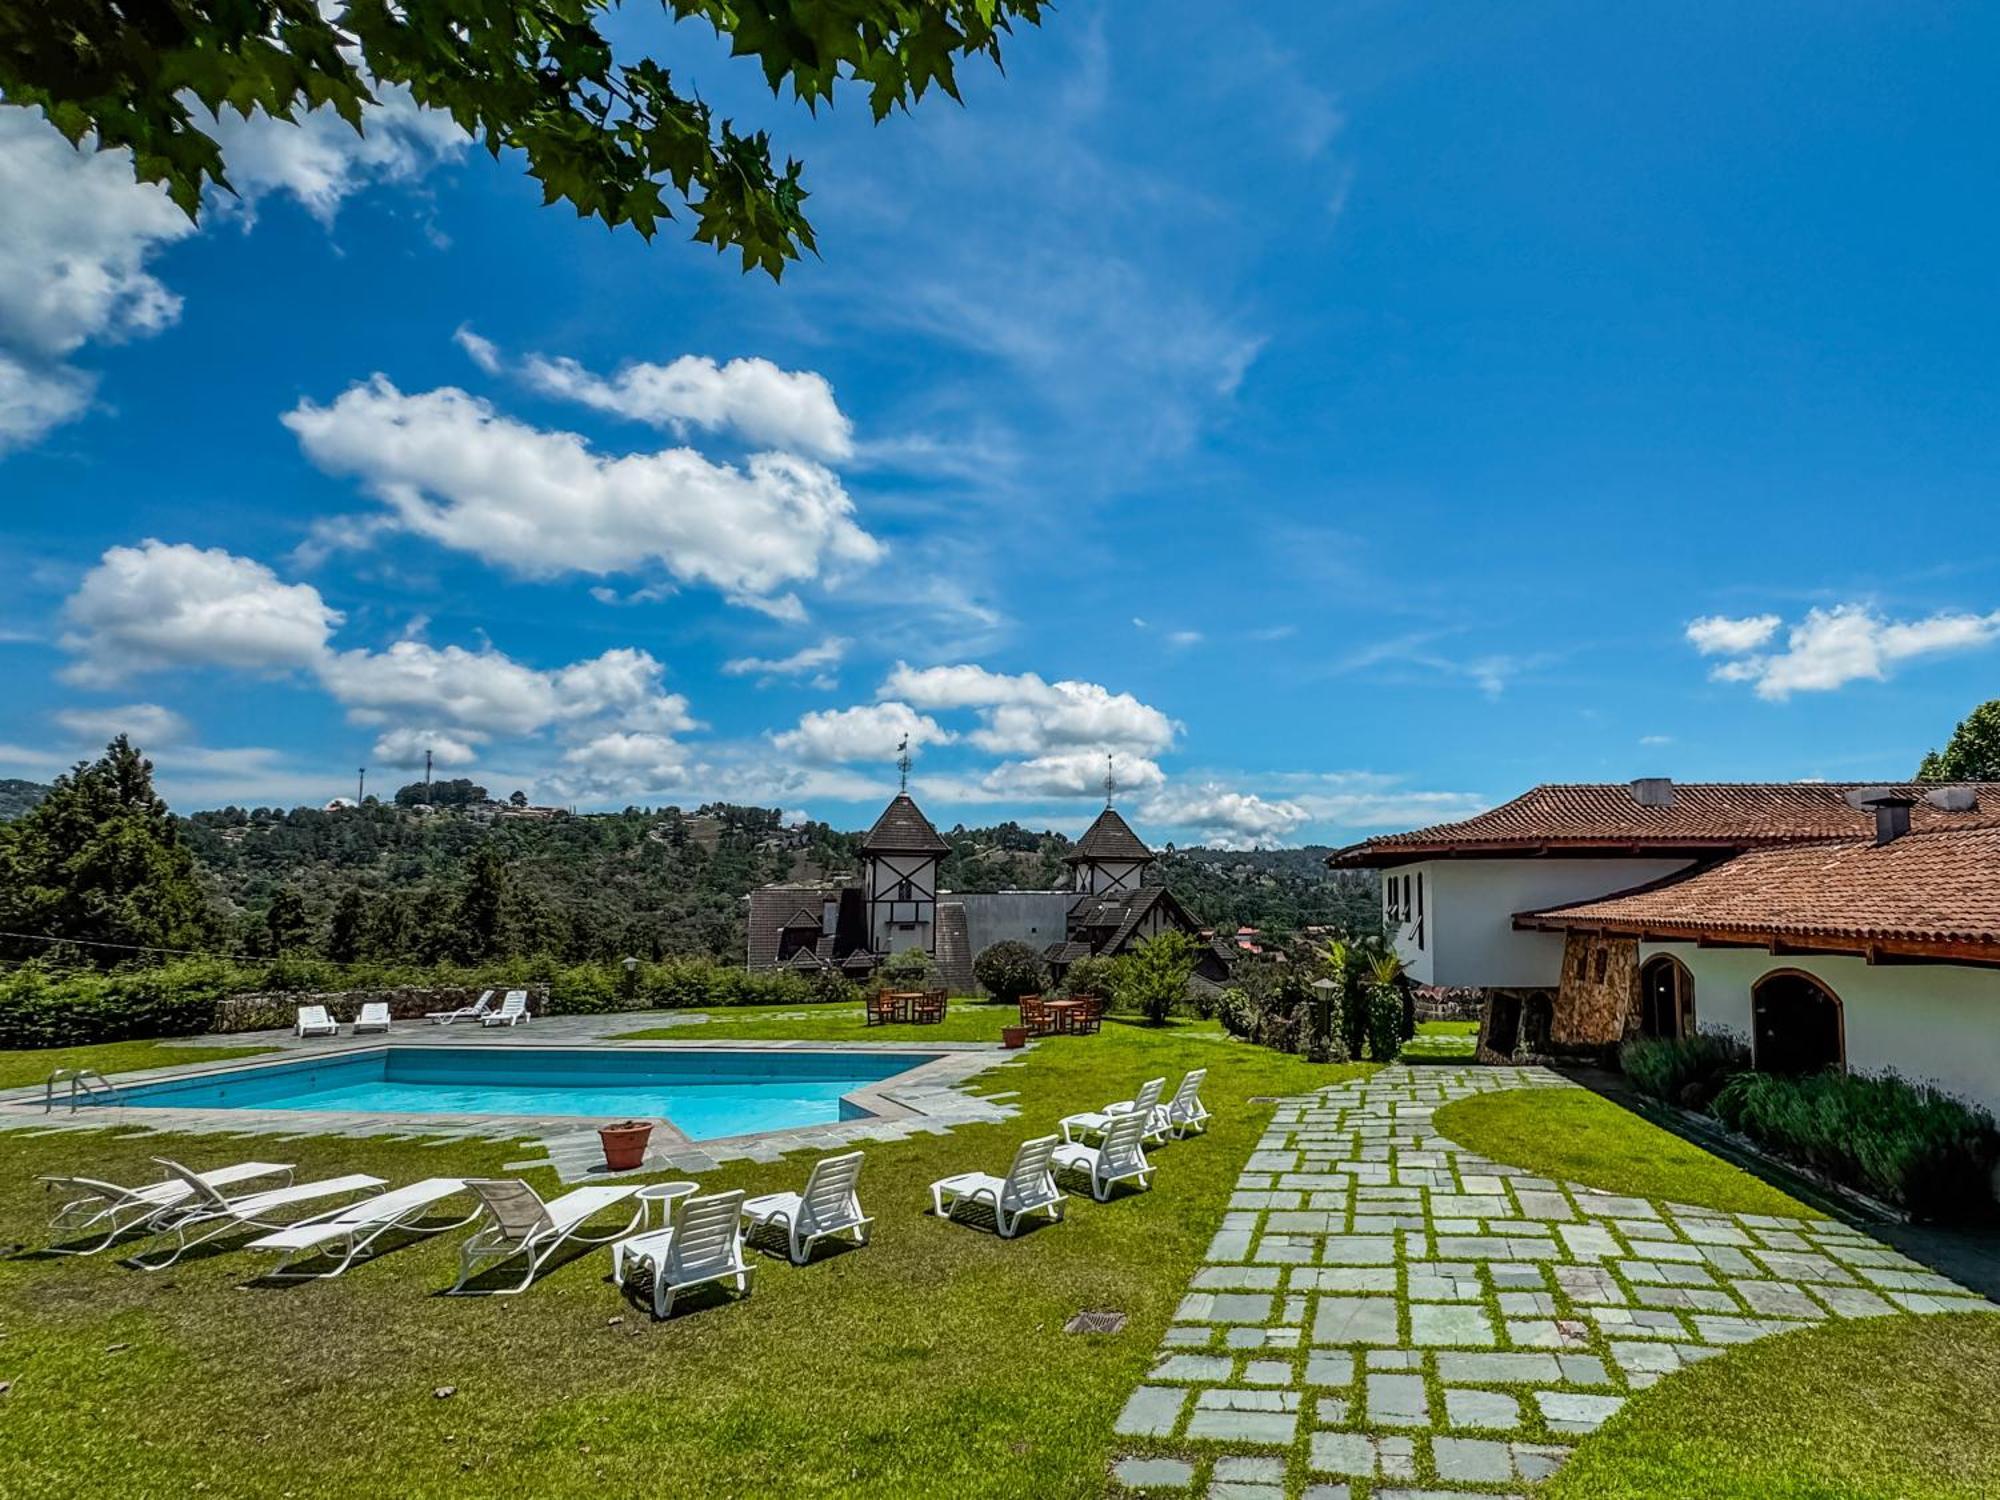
x,y
1469,907
1932,1023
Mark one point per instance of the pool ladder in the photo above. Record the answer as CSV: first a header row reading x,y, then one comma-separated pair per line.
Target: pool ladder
x,y
83,1083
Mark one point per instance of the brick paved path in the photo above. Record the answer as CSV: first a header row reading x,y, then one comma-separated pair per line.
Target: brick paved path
x,y
1385,1315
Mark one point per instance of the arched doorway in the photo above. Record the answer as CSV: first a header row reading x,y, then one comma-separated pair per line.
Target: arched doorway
x,y
1666,998
1797,1024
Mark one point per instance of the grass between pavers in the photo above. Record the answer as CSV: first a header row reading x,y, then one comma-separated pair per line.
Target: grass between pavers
x,y
931,1362
964,1021
20,1068
1575,1135
1868,1407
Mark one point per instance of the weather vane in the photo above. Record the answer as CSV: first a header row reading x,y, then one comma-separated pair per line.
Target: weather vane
x,y
1110,780
903,763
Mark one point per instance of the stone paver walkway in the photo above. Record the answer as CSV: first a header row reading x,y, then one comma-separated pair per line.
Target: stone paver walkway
x,y
1385,1315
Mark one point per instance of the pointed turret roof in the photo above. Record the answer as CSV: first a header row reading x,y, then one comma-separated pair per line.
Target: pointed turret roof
x,y
1110,837
903,829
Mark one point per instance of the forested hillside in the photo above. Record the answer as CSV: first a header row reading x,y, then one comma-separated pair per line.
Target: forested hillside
x,y
17,796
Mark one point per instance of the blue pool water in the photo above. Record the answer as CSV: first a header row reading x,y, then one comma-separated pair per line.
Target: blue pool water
x,y
707,1094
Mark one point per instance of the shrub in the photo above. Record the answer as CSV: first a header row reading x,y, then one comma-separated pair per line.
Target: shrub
x,y
1689,1071
912,969
43,1009
1237,1015
1010,970
1922,1150
1385,1021
1094,977
1153,978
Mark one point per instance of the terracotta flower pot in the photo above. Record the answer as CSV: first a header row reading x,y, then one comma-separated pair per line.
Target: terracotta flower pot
x,y
625,1143
1013,1036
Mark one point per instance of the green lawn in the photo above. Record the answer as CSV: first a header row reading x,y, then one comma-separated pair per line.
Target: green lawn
x,y
20,1068
1852,1410
1574,1135
1443,1041
930,1363
964,1021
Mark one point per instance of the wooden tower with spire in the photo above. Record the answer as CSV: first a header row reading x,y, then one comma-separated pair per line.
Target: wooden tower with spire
x,y
1109,856
900,859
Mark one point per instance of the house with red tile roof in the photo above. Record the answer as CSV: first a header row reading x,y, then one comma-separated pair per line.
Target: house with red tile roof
x,y
1824,924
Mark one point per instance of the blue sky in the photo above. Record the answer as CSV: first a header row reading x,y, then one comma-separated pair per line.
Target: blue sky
x,y
1341,417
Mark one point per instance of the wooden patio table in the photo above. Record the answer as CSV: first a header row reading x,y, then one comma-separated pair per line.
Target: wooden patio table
x,y
1062,1010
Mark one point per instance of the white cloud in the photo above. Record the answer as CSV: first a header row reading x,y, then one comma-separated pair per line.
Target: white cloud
x,y
868,732
1226,818
1372,799
810,661
405,748
321,161
1180,638
146,723
1071,773
160,605
792,410
1720,635
452,469
34,399
1024,715
483,352
1832,647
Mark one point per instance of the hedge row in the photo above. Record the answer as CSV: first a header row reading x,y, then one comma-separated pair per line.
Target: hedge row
x,y
47,1008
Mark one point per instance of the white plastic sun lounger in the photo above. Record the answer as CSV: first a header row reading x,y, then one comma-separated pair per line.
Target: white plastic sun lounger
x,y
107,1206
349,1234
1184,1114
829,1206
1028,1188
513,1011
518,1222
702,1246
374,1017
473,1012
206,1214
314,1021
1122,1157
1096,1122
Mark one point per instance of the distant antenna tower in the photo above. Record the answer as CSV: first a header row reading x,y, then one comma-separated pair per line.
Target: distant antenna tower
x,y
1110,780
903,764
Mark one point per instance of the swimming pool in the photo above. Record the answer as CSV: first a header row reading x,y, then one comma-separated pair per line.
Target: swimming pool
x,y
707,1094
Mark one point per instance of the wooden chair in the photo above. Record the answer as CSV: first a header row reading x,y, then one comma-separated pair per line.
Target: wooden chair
x,y
1085,1019
929,1008
1033,1017
883,1007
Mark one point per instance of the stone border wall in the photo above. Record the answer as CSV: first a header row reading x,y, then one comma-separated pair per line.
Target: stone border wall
x,y
270,1012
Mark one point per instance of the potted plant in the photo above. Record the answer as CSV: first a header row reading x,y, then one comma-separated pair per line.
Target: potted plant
x,y
1013,1036
625,1143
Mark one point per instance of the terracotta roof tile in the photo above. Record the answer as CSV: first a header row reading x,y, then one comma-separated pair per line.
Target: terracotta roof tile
x,y
1699,815
1921,891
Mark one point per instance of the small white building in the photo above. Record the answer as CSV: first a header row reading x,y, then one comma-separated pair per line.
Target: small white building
x,y
1823,924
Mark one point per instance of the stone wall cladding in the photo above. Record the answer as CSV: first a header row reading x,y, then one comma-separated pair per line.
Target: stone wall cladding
x,y
274,1011
1599,997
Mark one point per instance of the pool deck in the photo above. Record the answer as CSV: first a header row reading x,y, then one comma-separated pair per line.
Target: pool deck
x,y
929,1099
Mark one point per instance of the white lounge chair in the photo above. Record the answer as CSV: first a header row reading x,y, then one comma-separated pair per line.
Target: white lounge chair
x,y
206,1214
518,1222
473,1012
702,1246
513,1011
349,1234
829,1206
1122,1157
114,1209
1028,1188
374,1017
1093,1123
314,1021
1184,1114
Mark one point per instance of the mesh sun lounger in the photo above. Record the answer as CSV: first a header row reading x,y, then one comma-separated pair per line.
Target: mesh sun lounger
x,y
374,1017
1122,1157
314,1021
114,1209
349,1234
1028,1188
513,1011
1184,1114
206,1214
473,1012
519,1223
829,1206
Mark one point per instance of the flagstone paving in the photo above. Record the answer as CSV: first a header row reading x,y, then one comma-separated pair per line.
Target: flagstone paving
x,y
1384,1316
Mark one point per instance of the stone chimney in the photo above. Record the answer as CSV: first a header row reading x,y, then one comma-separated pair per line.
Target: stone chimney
x,y
1653,791
1892,816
